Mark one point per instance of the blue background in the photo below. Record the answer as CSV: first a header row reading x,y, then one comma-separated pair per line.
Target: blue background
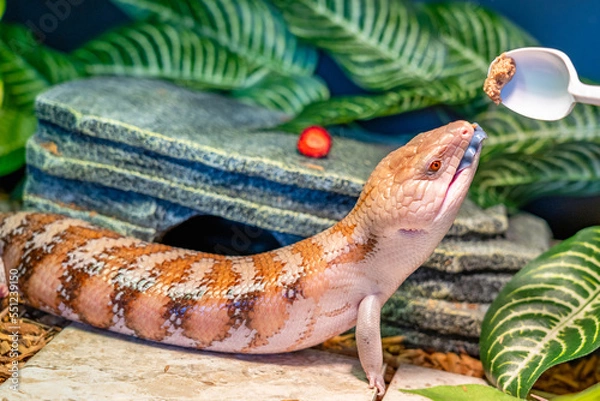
x,y
573,27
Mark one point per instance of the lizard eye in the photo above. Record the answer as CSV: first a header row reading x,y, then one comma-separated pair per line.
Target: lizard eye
x,y
435,166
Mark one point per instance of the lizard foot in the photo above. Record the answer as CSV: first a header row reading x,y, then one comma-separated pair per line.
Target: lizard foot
x,y
376,381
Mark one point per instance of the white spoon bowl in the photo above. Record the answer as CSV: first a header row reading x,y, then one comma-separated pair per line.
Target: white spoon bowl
x,y
545,85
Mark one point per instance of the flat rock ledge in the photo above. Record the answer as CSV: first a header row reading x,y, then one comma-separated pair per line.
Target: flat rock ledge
x,y
145,147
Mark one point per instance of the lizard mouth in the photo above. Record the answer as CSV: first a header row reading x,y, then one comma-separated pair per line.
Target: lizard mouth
x,y
473,148
459,185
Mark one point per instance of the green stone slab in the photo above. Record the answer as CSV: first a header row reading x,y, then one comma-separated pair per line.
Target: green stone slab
x,y
526,237
432,341
433,315
202,127
475,287
240,204
201,152
127,213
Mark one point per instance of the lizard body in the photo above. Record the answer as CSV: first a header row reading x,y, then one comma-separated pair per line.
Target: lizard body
x,y
283,300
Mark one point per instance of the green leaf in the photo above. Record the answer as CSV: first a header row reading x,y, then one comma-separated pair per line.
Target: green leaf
x,y
341,110
27,68
2,8
590,394
474,36
571,169
467,392
345,109
470,46
547,314
159,50
17,126
510,133
284,93
381,44
248,28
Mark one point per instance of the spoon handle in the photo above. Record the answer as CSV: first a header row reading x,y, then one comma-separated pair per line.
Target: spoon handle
x,y
584,93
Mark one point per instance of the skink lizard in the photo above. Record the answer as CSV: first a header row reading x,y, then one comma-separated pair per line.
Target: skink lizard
x,y
283,300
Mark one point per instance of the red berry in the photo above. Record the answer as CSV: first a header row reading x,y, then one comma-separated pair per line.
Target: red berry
x,y
314,141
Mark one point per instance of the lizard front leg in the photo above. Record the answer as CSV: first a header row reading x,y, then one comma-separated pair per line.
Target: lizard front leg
x,y
368,341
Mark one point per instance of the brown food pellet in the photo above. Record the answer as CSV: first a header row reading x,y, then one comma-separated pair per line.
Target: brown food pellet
x,y
502,70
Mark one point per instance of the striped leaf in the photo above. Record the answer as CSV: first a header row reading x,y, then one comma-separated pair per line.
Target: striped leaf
x,y
380,43
509,132
248,28
547,314
16,127
346,109
165,51
571,169
341,110
473,36
284,93
27,68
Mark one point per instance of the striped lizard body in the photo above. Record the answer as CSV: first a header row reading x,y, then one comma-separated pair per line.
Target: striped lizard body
x,y
283,300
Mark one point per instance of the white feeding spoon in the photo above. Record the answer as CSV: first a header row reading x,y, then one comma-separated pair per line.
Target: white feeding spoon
x,y
545,85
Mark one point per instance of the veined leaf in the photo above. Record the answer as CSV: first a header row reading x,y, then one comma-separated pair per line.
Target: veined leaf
x,y
345,109
165,51
285,93
16,127
473,36
249,28
341,110
27,68
568,169
547,314
509,132
380,43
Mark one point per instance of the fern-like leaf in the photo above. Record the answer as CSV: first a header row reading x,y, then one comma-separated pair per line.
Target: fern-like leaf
x,y
571,169
288,94
473,37
248,28
346,109
510,133
341,110
163,51
379,43
27,68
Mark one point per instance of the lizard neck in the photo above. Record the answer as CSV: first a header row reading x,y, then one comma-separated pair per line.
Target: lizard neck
x,y
385,257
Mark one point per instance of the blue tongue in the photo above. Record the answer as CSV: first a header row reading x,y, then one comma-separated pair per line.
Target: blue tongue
x,y
478,137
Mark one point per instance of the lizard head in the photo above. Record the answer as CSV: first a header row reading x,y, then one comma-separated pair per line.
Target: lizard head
x,y
420,186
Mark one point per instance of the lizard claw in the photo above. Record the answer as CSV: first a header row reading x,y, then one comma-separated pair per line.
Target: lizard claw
x,y
376,381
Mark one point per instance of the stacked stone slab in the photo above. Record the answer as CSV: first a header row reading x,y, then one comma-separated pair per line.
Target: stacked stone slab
x,y
143,156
